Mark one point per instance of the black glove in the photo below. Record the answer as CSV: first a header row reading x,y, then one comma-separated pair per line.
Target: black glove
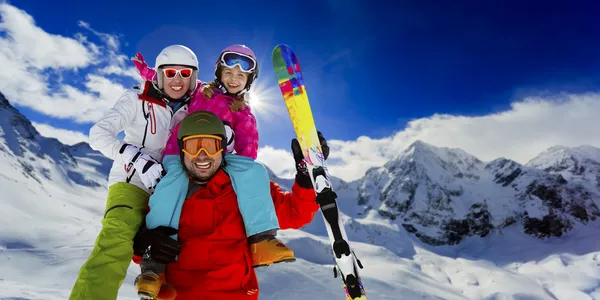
x,y
163,249
302,176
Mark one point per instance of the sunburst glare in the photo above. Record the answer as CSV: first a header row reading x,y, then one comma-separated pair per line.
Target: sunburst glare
x,y
266,100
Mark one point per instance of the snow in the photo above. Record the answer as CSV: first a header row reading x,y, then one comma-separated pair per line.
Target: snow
x,y
49,219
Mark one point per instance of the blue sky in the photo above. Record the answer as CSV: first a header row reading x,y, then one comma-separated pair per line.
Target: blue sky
x,y
370,66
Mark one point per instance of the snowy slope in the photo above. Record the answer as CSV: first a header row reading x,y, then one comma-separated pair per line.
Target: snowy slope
x,y
53,199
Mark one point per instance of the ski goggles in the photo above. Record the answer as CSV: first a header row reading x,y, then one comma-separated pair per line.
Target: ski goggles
x,y
194,144
246,63
184,73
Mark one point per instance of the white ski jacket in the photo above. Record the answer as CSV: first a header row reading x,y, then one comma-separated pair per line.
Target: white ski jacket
x,y
147,122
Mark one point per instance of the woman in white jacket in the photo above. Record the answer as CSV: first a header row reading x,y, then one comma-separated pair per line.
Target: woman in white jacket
x,y
146,118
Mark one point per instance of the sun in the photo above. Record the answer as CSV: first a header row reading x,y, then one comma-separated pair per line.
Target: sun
x,y
266,100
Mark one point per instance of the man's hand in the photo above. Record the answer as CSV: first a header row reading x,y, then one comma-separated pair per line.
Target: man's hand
x,y
302,176
163,249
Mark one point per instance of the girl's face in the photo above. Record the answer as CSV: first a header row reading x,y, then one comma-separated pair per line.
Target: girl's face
x,y
234,79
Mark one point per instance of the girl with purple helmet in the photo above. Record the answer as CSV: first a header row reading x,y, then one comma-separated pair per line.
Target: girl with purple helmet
x,y
227,96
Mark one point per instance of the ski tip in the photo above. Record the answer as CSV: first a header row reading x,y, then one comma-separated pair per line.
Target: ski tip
x,y
282,47
283,57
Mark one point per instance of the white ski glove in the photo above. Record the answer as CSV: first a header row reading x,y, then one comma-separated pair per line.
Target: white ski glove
x,y
149,170
230,138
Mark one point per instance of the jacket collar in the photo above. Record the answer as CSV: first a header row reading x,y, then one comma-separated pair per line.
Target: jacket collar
x,y
217,183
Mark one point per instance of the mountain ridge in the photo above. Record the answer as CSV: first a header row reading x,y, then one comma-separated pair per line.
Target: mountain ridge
x,y
442,195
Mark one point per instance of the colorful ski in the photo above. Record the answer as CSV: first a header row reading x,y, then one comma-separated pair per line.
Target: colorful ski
x,y
291,83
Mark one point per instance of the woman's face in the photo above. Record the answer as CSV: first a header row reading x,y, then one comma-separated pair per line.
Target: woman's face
x,y
177,86
234,79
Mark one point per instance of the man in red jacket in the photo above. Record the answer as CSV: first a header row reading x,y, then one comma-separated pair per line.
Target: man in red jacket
x,y
211,259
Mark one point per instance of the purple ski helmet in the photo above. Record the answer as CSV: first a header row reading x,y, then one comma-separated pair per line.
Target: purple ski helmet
x,y
251,65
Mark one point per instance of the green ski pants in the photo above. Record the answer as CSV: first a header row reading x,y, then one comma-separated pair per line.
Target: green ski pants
x,y
103,273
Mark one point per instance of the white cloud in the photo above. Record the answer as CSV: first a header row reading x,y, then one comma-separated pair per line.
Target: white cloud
x,y
529,127
111,41
281,162
520,133
116,70
67,137
119,63
29,56
38,48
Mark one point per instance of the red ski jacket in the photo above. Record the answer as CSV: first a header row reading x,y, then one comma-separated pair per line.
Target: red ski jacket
x,y
215,262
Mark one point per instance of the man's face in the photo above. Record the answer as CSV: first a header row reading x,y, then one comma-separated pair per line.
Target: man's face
x,y
203,167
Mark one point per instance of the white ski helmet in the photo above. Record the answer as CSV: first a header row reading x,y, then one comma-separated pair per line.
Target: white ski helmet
x,y
176,55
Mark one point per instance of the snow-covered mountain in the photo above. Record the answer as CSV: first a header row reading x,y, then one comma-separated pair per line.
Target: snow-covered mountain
x,y
41,158
579,165
53,199
443,195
